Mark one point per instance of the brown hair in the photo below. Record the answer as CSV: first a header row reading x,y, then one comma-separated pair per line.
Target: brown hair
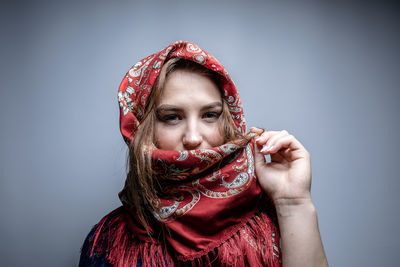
x,y
142,188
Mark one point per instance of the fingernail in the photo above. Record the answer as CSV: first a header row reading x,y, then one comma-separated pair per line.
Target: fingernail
x,y
258,138
267,149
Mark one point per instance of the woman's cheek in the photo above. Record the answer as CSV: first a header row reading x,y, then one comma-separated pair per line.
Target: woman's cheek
x,y
166,138
217,138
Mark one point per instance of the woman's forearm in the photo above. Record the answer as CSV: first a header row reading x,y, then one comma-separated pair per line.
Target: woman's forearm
x,y
301,239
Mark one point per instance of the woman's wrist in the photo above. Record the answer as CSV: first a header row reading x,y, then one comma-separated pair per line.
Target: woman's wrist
x,y
288,207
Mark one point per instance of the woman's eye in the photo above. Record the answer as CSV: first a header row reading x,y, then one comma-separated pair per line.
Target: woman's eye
x,y
170,118
211,115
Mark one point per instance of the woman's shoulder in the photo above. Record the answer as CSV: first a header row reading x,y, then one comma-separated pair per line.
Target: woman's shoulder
x,y
101,237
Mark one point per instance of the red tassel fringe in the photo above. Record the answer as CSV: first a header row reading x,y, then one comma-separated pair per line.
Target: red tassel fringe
x,y
255,244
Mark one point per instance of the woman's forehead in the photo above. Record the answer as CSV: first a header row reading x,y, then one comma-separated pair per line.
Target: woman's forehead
x,y
184,86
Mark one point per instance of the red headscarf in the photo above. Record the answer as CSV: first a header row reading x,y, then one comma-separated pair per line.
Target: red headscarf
x,y
137,84
216,212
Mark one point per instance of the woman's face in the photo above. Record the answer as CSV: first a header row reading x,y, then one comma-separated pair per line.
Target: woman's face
x,y
188,113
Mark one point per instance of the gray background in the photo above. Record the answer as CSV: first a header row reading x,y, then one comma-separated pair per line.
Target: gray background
x,y
328,72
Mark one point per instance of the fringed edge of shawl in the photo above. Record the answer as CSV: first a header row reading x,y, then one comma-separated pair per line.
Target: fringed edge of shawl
x,y
256,243
113,240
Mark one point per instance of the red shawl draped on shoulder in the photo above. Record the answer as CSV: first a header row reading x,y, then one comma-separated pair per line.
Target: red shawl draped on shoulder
x,y
215,213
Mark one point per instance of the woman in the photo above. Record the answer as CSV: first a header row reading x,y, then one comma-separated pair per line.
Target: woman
x,y
199,191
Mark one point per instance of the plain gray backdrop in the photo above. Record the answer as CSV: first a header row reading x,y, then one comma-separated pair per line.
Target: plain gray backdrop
x,y
328,72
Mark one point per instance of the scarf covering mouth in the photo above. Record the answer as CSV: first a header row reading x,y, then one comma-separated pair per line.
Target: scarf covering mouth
x,y
211,205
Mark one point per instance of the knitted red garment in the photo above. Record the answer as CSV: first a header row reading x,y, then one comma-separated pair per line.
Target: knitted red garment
x,y
215,213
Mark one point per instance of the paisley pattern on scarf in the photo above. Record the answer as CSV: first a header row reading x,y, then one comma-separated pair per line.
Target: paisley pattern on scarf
x,y
210,205
138,82
224,182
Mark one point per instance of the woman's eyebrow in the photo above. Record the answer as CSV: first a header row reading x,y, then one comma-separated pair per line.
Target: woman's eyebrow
x,y
212,105
167,108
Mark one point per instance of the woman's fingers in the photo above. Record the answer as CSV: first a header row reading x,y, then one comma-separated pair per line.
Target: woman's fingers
x,y
267,138
278,157
273,141
256,130
287,145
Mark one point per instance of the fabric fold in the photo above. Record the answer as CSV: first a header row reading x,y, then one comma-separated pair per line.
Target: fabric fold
x,y
211,210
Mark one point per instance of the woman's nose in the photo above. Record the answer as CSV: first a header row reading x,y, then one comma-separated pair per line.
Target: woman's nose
x,y
192,138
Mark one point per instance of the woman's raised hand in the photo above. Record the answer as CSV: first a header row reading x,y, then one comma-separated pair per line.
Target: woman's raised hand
x,y
287,178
